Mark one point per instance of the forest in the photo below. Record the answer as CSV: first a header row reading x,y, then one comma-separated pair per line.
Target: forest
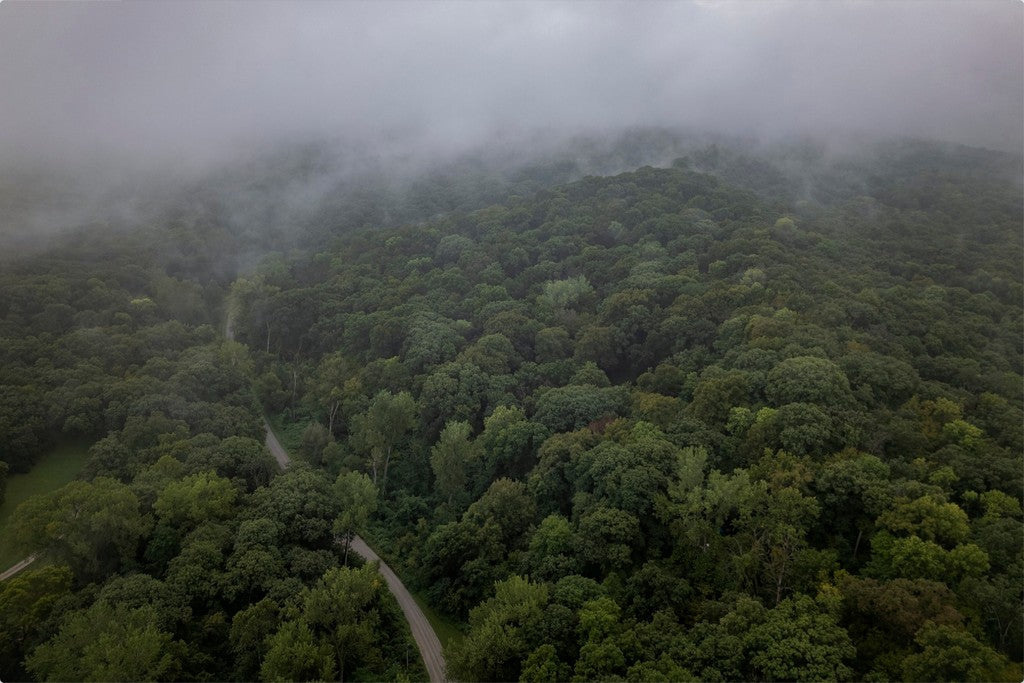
x,y
653,409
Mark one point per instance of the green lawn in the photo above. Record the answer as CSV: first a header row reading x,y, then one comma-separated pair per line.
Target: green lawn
x,y
53,470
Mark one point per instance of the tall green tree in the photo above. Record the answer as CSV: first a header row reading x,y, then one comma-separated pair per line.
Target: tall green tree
x,y
94,527
452,458
381,429
358,499
502,632
109,643
27,600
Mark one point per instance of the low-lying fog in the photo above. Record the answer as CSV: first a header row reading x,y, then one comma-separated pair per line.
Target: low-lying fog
x,y
101,100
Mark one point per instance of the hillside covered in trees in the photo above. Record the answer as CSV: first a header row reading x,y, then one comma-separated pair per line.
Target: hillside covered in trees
x,y
675,424
756,414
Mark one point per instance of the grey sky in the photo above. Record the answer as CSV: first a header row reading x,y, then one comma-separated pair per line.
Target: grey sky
x,y
189,81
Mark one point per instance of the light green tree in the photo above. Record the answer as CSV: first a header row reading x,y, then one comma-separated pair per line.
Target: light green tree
x,y
92,526
294,654
197,498
383,426
451,457
499,636
358,498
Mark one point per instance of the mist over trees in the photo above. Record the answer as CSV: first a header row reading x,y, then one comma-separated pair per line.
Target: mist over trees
x,y
611,424
645,342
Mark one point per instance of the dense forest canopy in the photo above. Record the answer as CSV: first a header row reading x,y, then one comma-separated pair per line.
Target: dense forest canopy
x,y
744,412
532,341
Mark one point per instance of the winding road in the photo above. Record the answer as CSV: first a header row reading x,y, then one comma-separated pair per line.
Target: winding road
x,y
422,631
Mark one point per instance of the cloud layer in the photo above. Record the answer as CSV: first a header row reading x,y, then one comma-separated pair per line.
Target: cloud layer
x,y
191,82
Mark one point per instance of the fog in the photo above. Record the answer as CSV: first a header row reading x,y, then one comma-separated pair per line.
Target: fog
x,y
190,83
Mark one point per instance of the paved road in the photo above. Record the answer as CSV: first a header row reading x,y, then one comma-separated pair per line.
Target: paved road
x,y
422,632
18,567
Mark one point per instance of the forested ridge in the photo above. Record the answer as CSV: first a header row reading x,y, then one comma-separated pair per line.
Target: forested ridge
x,y
752,416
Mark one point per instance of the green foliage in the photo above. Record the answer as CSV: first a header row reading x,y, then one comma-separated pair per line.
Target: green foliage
x,y
342,625
381,428
250,631
682,404
564,294
797,640
552,549
302,502
295,655
807,379
244,460
500,632
510,443
543,665
464,558
94,527
451,459
431,341
109,643
27,601
913,558
357,497
930,518
552,343
566,408
315,438
195,499
950,654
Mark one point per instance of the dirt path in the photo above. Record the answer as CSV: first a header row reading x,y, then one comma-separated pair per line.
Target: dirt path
x,y
422,632
275,447
17,568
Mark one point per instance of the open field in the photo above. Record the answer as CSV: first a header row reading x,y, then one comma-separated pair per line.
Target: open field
x,y
53,470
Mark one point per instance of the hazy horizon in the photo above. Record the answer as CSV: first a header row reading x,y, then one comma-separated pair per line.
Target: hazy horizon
x,y
190,84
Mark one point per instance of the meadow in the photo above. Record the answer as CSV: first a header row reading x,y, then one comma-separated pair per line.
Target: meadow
x,y
61,465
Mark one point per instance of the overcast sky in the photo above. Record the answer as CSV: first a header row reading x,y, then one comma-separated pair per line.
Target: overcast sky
x,y
193,80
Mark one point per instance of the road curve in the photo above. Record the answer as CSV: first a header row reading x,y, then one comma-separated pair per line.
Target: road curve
x,y
422,631
17,568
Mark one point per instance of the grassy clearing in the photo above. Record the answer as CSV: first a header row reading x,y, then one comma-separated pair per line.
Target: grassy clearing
x,y
448,631
54,469
288,433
